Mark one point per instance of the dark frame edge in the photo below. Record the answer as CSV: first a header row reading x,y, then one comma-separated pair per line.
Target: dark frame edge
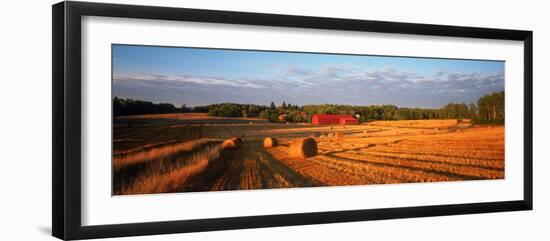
x,y
528,119
58,100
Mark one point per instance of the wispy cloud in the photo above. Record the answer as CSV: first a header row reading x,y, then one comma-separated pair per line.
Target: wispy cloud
x,y
201,80
330,84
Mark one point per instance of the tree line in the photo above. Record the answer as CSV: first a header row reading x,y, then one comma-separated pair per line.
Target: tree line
x,y
488,109
122,107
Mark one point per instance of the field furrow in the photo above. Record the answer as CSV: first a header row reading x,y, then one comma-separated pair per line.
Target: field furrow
x,y
184,154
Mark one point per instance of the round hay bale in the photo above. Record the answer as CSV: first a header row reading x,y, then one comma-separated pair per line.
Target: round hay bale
x,y
339,134
231,144
331,134
270,142
303,147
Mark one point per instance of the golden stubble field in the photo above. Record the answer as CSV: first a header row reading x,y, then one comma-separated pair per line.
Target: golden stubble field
x,y
183,152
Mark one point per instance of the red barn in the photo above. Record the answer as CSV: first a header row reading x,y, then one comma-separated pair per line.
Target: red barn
x,y
348,121
329,119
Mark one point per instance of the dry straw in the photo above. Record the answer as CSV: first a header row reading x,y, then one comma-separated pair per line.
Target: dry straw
x,y
303,147
315,134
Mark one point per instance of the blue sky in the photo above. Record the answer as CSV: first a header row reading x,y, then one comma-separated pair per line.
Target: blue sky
x,y
196,76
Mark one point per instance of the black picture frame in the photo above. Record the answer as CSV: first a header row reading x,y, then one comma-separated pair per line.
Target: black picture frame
x,y
66,76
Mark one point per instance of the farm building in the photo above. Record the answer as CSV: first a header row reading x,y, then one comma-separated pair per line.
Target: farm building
x,y
329,119
282,117
348,121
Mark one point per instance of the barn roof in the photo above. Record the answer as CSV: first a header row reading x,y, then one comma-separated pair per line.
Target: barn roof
x,y
347,118
332,116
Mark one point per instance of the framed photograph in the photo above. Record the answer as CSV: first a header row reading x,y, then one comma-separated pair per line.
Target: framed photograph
x,y
169,120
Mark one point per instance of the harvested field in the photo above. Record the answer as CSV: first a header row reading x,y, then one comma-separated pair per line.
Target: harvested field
x,y
184,153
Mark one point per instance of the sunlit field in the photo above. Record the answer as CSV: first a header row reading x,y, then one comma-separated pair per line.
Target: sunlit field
x,y
186,152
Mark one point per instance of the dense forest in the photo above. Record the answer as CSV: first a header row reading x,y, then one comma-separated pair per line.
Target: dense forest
x,y
488,109
122,107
